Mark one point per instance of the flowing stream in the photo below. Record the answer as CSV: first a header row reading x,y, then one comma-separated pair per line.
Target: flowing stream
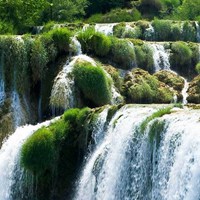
x,y
127,165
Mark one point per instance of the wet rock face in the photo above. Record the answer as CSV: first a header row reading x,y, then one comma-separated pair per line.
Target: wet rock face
x,y
141,87
194,90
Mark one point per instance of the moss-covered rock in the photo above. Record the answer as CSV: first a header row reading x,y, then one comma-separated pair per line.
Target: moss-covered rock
x,y
93,83
141,87
172,80
38,152
123,53
194,90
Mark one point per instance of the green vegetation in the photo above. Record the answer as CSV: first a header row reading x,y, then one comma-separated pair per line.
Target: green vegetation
x,y
181,54
198,68
156,128
116,15
123,53
93,83
94,42
155,115
38,152
141,87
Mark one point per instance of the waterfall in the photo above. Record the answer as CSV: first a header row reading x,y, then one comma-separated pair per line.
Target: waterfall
x,y
2,84
160,57
62,94
184,91
198,31
126,164
9,158
17,109
149,33
107,29
106,173
75,46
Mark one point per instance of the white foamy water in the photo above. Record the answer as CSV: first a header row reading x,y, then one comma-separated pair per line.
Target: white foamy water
x,y
126,165
62,94
2,84
107,29
149,33
184,91
18,112
76,46
10,156
160,57
198,31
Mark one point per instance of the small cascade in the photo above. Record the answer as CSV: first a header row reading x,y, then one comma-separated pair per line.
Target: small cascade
x,y
17,110
2,85
75,46
184,91
9,158
160,57
149,33
198,31
62,94
107,29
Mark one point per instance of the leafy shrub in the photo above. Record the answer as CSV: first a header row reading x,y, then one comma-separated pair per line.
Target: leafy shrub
x,y
189,32
144,57
85,38
101,44
37,153
162,29
198,68
181,53
93,83
38,60
119,29
61,38
6,28
176,32
123,53
116,15
48,26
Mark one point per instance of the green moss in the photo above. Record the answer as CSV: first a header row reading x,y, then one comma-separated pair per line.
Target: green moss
x,y
61,38
71,114
162,29
198,68
93,83
156,128
123,53
37,153
38,60
144,57
82,115
182,54
155,115
119,29
189,32
85,38
101,44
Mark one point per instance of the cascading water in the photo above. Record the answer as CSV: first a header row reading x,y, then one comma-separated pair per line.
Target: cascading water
x,y
126,164
184,91
2,84
160,57
107,29
198,31
106,174
149,33
62,94
9,158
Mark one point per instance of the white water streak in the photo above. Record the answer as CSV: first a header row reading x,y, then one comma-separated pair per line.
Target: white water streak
x,y
10,155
